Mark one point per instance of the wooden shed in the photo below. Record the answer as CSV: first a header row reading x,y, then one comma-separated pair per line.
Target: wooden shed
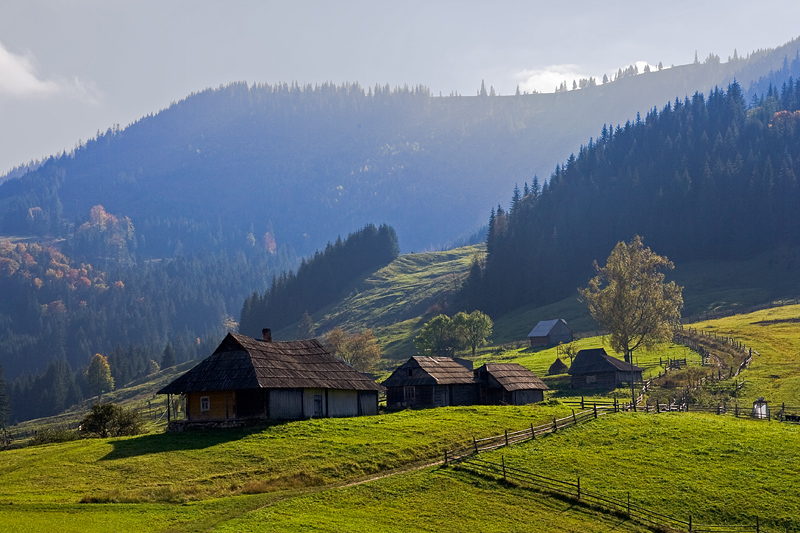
x,y
250,379
550,333
595,368
558,367
431,382
509,384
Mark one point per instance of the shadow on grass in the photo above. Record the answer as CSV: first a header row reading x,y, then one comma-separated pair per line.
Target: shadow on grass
x,y
172,441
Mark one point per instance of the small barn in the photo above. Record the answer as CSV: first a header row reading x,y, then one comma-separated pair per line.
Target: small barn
x,y
431,382
509,384
550,333
251,379
595,368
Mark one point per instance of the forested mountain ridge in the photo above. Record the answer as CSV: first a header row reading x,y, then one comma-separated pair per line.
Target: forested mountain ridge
x,y
704,178
307,163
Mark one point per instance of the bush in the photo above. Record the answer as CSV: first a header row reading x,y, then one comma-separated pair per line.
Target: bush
x,y
111,420
50,435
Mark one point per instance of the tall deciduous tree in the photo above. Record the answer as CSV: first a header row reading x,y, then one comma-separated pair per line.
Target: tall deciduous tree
x,y
360,350
438,337
98,375
630,298
473,328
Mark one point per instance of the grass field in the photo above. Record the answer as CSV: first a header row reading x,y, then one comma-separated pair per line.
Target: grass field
x,y
718,469
775,334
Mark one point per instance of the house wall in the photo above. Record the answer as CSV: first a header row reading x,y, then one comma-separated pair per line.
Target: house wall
x,y
314,403
222,405
560,333
342,403
463,394
524,397
286,404
539,341
367,403
252,403
596,379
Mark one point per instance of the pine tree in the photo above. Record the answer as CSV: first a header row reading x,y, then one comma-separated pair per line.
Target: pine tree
x,y
305,330
168,358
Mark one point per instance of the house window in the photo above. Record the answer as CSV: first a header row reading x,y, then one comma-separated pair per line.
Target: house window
x,y
205,403
410,372
408,394
591,379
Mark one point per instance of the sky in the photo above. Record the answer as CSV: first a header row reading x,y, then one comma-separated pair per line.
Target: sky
x,y
71,68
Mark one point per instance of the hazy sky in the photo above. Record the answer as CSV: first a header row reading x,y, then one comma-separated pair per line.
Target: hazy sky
x,y
71,67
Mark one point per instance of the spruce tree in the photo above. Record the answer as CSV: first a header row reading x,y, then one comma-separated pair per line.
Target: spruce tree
x,y
168,358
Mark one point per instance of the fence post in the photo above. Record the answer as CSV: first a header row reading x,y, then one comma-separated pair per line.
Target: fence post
x,y
475,443
595,410
533,432
581,401
555,425
445,458
574,420
690,523
757,528
506,437
629,504
579,487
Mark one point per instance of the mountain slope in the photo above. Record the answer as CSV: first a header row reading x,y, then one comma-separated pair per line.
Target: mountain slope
x,y
306,163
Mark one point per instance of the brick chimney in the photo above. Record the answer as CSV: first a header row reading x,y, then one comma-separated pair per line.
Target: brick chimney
x,y
266,334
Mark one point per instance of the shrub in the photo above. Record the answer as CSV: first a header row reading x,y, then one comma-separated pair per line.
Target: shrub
x,y
111,420
50,435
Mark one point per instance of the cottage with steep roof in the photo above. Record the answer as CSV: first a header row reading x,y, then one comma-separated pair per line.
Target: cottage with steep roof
x,y
431,382
249,379
595,368
509,384
550,333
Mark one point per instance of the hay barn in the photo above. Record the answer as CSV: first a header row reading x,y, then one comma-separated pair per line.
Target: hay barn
x,y
431,382
250,379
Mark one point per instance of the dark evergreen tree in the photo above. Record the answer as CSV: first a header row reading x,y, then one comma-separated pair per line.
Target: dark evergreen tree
x,y
168,358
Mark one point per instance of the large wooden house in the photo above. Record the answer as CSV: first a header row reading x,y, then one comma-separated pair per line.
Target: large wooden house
x,y
550,333
443,381
595,368
250,379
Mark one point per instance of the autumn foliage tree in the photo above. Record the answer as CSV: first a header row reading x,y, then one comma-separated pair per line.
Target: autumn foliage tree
x,y
359,350
98,375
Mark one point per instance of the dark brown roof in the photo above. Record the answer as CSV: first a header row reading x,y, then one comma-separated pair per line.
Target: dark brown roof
x,y
596,361
244,363
430,371
512,376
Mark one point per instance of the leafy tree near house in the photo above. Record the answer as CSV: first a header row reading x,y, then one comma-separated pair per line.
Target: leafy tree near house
x,y
111,420
472,329
630,298
359,350
98,375
438,337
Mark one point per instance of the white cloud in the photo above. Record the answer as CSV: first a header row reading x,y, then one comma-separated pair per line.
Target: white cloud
x,y
547,79
18,79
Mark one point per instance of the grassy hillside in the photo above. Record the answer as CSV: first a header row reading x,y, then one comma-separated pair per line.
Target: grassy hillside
x,y
775,334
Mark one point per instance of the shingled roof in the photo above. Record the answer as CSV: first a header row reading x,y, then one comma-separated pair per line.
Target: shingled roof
x,y
242,362
597,360
433,371
513,376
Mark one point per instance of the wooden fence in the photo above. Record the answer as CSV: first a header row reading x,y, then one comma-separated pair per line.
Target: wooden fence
x,y
574,491
467,457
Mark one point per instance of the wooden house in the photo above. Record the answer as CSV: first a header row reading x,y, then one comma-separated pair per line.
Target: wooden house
x,y
431,382
509,384
251,379
595,368
550,333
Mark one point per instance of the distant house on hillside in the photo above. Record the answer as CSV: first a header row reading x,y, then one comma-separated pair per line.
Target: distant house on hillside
x,y
431,382
550,333
509,384
251,379
595,368
443,381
